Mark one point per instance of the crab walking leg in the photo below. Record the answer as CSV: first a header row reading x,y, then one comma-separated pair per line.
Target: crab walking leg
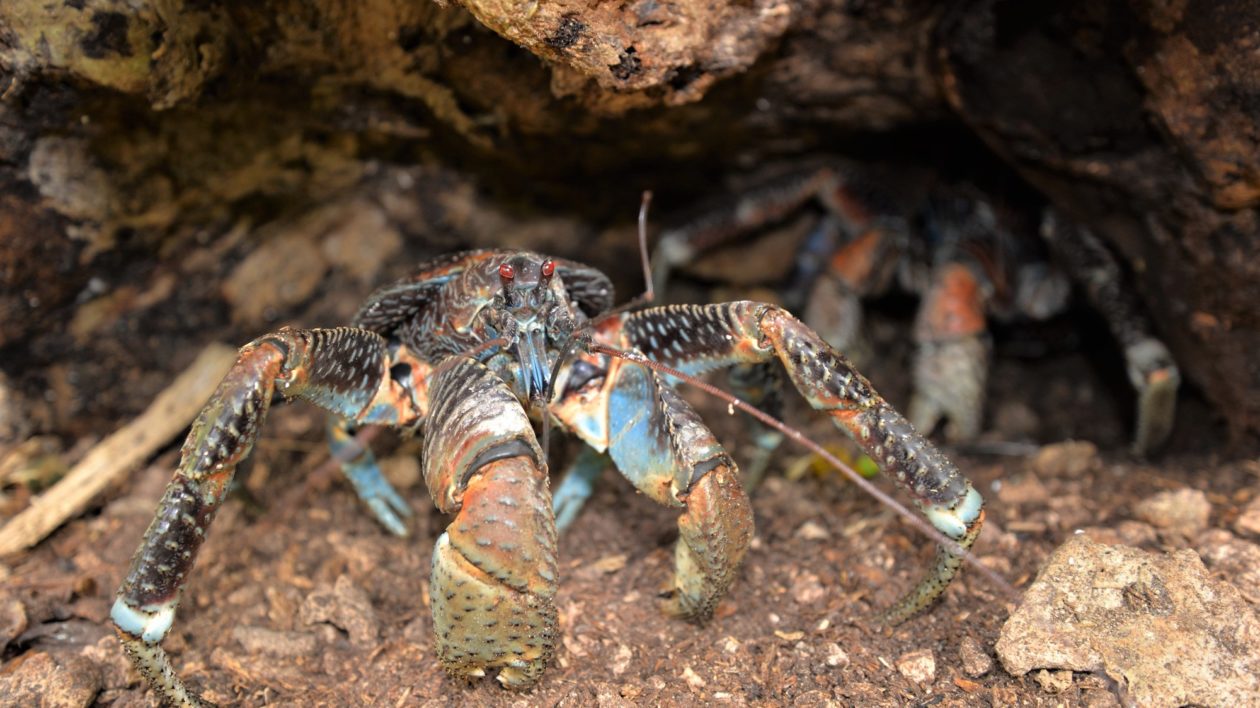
x,y
1152,371
344,370
494,569
951,362
695,339
577,485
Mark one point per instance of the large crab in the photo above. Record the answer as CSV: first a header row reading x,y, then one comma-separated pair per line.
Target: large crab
x,y
472,347
966,258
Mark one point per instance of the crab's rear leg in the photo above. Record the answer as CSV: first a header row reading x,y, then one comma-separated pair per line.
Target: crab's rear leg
x,y
344,370
951,362
699,338
1152,372
494,569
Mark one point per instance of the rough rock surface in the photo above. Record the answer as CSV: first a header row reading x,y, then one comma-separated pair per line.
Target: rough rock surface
x,y
1162,626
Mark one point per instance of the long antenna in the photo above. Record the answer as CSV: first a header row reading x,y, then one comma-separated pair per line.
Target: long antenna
x,y
649,293
879,494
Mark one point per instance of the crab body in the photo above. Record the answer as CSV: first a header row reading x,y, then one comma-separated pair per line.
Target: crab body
x,y
473,349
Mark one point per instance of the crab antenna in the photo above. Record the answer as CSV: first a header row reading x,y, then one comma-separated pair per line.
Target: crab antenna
x,y
649,294
879,494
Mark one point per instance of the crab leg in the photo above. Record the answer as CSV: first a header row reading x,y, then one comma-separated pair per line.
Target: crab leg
x,y
494,569
344,370
659,443
577,485
951,360
1152,371
695,339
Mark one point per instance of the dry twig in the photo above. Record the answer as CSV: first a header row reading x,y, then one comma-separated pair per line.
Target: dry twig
x,y
115,456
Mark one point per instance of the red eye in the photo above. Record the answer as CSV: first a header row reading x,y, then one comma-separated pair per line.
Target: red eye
x,y
506,271
548,267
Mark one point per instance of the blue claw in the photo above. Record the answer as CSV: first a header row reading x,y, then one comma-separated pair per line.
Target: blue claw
x,y
365,476
577,486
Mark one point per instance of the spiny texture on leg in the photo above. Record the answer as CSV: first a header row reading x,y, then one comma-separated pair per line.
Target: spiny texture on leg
x,y
830,384
294,361
494,570
661,445
713,536
494,578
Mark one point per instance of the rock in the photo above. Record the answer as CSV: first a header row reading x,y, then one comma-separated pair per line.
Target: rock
x,y
13,619
1248,522
1072,458
812,531
40,679
1184,511
1234,558
807,589
692,678
975,661
345,606
260,640
1124,533
918,666
836,657
1053,682
1160,624
621,660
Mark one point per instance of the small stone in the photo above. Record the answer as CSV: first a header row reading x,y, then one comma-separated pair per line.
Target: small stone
x,y
1054,681
1124,533
345,606
13,619
1071,459
40,679
975,661
812,531
730,645
621,660
693,679
918,666
789,636
836,657
1024,489
609,564
808,589
1184,511
1235,559
1248,521
260,640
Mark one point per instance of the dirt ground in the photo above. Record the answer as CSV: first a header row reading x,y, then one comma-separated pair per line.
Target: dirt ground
x,y
300,598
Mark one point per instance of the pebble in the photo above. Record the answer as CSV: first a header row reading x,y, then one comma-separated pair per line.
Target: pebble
x,y
40,679
346,606
1053,681
1184,511
692,678
812,531
260,640
918,666
1072,458
1248,521
836,657
807,589
975,660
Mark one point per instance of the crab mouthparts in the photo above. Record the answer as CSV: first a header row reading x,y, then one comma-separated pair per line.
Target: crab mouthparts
x,y
531,352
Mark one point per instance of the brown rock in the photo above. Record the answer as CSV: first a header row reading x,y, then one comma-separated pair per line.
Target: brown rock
x,y
918,666
345,606
1072,458
1234,558
1173,632
975,660
13,619
1248,522
1184,511
40,679
260,640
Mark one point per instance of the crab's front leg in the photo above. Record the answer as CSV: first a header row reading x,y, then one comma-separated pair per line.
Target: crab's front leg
x,y
699,338
344,370
494,569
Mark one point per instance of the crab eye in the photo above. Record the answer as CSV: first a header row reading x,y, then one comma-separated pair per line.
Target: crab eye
x,y
548,267
506,271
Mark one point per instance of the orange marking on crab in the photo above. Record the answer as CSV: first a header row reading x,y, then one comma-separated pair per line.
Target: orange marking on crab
x,y
856,261
955,307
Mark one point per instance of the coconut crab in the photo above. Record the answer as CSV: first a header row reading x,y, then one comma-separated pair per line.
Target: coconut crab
x,y
967,260
472,347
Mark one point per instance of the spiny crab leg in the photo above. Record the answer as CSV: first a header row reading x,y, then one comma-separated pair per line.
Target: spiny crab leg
x,y
695,339
345,370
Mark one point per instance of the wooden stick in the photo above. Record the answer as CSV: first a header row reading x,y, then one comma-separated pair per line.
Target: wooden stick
x,y
110,461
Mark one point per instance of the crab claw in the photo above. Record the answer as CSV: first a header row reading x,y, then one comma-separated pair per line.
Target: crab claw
x,y
1156,378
